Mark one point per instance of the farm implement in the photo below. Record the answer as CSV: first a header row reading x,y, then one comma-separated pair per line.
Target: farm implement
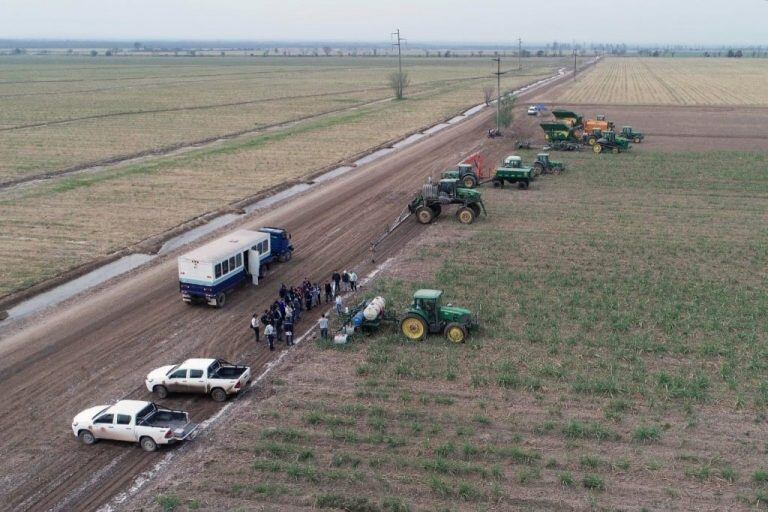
x,y
512,171
426,315
428,204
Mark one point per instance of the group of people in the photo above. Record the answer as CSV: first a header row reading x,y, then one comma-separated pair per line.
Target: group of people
x,y
280,319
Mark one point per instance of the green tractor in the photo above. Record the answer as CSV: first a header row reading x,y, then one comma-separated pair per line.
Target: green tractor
x,y
427,316
610,142
465,173
543,165
512,171
428,204
628,133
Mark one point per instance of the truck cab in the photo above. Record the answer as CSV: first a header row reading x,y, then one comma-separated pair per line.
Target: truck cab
x,y
214,377
280,241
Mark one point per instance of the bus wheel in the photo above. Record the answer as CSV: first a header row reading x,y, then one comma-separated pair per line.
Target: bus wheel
x,y
221,299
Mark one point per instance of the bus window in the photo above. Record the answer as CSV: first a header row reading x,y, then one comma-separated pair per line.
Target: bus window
x,y
232,263
225,267
238,260
218,271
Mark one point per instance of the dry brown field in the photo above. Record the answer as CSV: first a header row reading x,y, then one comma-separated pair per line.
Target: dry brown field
x,y
671,81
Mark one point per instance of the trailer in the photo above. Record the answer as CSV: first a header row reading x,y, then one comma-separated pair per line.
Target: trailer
x,y
208,273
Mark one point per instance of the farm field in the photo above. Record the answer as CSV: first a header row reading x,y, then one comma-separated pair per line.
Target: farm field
x,y
615,367
61,112
50,226
670,81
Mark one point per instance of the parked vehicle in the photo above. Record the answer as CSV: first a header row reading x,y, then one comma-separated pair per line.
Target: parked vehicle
x,y
208,273
533,110
611,142
469,172
543,165
133,421
512,171
628,133
214,377
426,315
428,204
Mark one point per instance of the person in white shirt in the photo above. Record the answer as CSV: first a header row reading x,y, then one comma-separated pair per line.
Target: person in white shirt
x,y
338,305
255,326
353,280
269,332
324,326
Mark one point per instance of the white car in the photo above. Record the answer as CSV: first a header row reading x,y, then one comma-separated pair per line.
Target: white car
x,y
133,421
214,377
533,110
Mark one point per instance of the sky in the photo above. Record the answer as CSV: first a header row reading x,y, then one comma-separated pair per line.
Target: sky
x,y
696,22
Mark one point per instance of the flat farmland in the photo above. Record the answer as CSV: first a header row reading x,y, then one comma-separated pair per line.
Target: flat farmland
x,y
332,109
670,81
620,362
59,112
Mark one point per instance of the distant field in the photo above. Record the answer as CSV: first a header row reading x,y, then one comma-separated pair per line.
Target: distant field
x,y
621,362
61,112
652,81
50,226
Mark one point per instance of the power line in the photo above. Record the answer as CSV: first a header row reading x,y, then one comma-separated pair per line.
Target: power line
x,y
400,78
498,74
519,54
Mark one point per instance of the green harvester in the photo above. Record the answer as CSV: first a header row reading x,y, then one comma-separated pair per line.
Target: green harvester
x,y
428,316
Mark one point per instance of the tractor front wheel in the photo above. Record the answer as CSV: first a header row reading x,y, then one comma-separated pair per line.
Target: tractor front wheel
x,y
455,333
466,215
597,148
413,327
592,141
425,214
469,182
637,140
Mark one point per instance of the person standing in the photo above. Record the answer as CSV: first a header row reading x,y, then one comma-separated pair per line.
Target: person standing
x,y
269,332
289,315
324,326
328,292
338,305
288,329
345,280
353,280
255,326
336,277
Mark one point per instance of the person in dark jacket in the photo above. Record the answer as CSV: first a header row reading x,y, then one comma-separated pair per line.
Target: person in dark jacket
x,y
328,292
345,280
336,278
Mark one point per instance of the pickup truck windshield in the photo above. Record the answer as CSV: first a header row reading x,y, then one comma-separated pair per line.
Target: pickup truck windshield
x,y
172,370
145,412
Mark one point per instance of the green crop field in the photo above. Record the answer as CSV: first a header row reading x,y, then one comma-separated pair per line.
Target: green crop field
x,y
93,109
621,361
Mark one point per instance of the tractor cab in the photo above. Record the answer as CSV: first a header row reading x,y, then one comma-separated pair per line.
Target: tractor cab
x,y
447,186
428,315
543,158
513,162
600,117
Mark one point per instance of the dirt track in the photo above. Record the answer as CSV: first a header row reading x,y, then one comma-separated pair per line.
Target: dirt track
x,y
100,348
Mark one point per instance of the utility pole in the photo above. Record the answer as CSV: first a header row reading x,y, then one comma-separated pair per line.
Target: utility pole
x,y
400,79
574,64
519,54
498,74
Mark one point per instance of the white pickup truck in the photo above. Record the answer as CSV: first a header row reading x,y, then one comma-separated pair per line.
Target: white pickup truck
x,y
134,421
215,377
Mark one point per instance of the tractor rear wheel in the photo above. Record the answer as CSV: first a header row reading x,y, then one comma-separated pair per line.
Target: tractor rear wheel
x,y
413,327
455,333
469,181
597,148
637,140
466,215
425,214
592,141
538,169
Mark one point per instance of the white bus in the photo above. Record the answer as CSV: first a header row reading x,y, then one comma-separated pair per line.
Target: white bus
x,y
208,273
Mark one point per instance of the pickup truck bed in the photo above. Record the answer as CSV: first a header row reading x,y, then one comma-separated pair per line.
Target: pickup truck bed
x,y
175,420
229,372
